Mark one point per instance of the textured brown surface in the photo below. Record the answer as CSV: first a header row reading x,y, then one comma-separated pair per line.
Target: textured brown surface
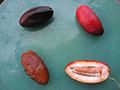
x,y
35,67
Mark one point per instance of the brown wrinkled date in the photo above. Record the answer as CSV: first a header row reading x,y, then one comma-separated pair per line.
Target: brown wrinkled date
x,y
36,16
88,71
35,67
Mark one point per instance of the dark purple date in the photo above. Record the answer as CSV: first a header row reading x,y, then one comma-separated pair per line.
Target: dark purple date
x,y
36,16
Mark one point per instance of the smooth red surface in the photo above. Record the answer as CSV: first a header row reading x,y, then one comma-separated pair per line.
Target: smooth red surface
x,y
88,20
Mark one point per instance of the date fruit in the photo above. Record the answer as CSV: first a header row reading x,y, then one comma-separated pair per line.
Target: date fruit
x,y
89,21
87,71
36,16
35,67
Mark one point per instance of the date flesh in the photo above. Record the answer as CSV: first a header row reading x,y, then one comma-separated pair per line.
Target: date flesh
x,y
87,71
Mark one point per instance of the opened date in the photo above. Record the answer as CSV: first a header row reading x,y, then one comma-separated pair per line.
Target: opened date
x,y
88,71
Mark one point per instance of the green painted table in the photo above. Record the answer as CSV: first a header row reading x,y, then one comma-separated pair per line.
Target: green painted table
x,y
60,41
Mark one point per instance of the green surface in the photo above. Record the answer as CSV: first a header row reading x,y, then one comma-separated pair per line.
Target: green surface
x,y
59,42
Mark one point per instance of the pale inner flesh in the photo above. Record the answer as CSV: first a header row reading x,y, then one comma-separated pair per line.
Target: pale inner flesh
x,y
89,71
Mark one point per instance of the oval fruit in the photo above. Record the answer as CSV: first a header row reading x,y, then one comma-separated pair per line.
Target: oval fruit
x,y
35,67
89,21
36,16
87,71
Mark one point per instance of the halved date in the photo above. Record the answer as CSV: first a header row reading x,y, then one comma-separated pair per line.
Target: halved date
x,y
35,67
36,16
87,71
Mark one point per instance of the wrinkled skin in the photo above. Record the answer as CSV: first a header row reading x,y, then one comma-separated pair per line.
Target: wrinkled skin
x,y
35,67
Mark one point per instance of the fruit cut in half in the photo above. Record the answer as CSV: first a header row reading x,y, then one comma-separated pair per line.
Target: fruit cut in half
x,y
87,71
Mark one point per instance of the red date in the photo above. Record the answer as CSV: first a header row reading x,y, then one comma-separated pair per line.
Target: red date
x,y
89,21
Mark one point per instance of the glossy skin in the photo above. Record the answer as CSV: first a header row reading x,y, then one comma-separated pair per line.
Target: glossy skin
x,y
35,67
89,21
36,16
87,71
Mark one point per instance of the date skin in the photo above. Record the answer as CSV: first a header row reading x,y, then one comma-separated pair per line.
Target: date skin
x,y
35,67
36,16
87,71
89,21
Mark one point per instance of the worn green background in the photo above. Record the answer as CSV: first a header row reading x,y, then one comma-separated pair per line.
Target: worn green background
x,y
60,41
